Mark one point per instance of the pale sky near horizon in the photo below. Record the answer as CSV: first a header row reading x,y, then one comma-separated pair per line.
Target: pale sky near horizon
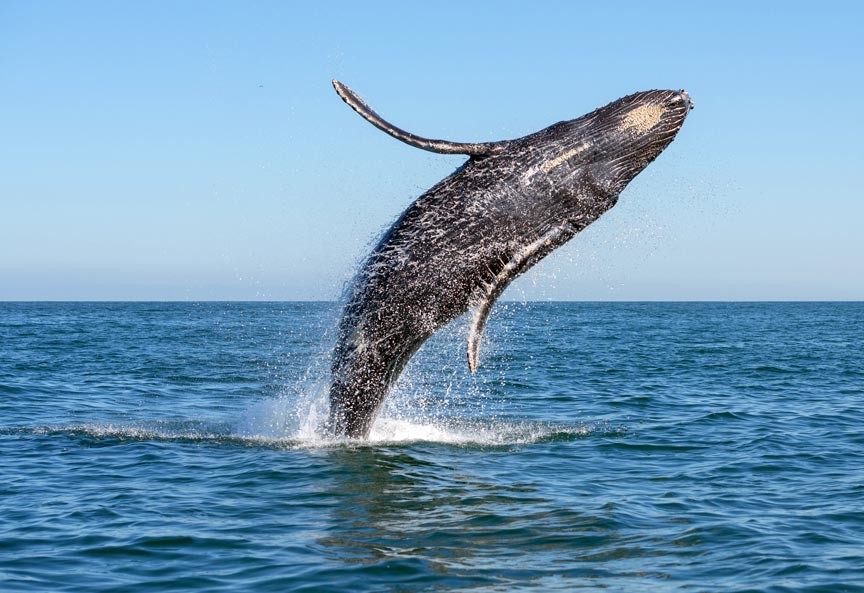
x,y
196,150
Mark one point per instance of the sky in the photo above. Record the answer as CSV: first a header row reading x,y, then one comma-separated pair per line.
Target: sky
x,y
197,150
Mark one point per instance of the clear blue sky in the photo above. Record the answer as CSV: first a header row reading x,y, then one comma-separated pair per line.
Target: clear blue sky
x,y
196,150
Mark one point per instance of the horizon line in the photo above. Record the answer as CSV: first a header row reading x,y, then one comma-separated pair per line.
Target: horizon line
x,y
336,302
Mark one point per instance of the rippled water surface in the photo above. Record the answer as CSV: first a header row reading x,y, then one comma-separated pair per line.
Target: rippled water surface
x,y
625,447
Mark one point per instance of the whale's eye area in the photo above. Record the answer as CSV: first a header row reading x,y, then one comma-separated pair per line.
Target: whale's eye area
x,y
643,118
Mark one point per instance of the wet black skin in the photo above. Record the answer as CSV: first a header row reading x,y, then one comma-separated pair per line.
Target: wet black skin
x,y
455,241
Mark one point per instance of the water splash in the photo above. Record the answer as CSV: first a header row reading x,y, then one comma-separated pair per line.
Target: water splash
x,y
283,420
287,418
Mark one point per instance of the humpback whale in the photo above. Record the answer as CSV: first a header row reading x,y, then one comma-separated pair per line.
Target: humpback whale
x,y
459,245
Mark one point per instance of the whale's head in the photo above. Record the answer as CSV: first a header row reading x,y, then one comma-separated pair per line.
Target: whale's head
x,y
611,145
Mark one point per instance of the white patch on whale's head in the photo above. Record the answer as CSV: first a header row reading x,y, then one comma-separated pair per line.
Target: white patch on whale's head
x,y
643,117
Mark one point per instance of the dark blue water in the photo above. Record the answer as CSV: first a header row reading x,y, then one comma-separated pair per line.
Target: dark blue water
x,y
626,447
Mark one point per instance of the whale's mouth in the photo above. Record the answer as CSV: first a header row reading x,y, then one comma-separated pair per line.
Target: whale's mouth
x,y
688,100
674,107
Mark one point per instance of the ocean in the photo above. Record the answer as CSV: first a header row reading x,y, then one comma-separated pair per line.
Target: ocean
x,y
634,447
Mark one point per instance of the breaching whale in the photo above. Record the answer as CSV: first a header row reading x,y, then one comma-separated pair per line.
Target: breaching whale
x,y
460,244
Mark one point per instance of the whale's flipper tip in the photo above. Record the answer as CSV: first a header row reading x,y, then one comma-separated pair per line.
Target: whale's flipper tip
x,y
350,97
475,336
472,359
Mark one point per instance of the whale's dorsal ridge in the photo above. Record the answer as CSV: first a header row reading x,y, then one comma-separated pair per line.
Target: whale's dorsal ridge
x,y
476,149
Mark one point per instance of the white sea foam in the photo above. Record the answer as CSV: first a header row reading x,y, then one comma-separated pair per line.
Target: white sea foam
x,y
283,420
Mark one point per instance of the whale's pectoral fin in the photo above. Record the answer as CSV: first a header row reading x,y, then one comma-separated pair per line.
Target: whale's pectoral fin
x,y
441,146
478,324
489,293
